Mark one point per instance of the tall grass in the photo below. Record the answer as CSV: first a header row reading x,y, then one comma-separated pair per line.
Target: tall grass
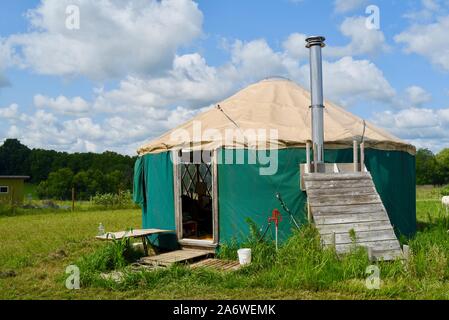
x,y
300,269
302,263
116,255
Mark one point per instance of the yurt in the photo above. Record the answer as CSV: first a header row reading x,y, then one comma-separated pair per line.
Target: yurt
x,y
240,160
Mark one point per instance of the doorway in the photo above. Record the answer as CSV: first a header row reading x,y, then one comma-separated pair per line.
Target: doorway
x,y
196,201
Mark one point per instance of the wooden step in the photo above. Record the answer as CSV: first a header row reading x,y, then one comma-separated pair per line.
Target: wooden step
x,y
356,208
342,204
379,245
357,227
347,200
341,191
337,176
333,184
361,237
178,256
350,218
220,265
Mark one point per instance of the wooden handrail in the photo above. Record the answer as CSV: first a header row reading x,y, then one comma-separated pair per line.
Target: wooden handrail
x,y
309,169
362,156
356,156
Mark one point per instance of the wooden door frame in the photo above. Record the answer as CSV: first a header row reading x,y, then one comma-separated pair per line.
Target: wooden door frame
x,y
178,203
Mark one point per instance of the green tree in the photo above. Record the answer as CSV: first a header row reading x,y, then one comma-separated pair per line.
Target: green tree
x,y
59,184
81,182
42,190
442,159
41,162
14,158
92,173
426,167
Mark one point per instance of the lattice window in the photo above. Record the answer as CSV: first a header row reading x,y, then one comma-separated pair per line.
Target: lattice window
x,y
194,177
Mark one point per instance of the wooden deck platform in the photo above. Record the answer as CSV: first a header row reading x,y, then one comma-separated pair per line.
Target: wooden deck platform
x,y
220,265
178,256
341,202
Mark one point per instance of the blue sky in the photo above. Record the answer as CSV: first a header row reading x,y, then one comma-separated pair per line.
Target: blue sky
x,y
134,69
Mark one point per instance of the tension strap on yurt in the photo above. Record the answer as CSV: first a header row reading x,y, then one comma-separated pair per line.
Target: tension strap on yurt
x,y
286,209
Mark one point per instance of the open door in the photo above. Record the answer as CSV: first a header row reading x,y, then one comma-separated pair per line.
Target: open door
x,y
195,198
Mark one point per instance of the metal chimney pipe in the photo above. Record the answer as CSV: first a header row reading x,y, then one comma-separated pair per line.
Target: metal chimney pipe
x,y
316,85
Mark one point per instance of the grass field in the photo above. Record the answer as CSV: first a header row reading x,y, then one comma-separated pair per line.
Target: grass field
x,y
38,246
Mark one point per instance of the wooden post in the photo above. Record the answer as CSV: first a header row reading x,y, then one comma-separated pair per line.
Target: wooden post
x,y
406,252
356,156
13,202
73,199
362,157
11,197
308,168
334,241
309,212
370,253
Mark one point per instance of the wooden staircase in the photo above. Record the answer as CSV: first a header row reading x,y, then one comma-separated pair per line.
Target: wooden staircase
x,y
346,204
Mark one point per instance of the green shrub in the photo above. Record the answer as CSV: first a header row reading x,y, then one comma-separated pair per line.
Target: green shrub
x,y
263,253
115,255
303,262
5,209
121,200
445,191
430,252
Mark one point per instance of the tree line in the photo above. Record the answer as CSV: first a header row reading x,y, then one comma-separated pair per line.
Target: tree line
x,y
432,169
55,173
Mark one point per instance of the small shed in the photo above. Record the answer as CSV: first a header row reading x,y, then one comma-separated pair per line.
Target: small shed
x,y
12,189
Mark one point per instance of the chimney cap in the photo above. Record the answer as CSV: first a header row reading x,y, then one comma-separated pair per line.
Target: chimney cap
x,y
315,41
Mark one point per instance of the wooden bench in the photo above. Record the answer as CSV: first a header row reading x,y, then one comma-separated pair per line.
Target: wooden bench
x,y
137,233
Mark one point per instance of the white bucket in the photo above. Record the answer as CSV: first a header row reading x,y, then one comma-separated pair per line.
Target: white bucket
x,y
244,256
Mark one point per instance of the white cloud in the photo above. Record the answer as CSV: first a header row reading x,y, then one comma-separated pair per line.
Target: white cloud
x,y
349,81
428,40
143,106
190,82
417,96
115,37
425,128
295,46
11,112
363,40
344,6
255,60
427,12
63,105
117,133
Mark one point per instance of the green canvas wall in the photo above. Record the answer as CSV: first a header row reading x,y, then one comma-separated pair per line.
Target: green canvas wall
x,y
243,193
153,190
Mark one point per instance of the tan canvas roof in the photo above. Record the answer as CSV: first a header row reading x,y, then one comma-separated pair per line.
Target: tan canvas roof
x,y
276,104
